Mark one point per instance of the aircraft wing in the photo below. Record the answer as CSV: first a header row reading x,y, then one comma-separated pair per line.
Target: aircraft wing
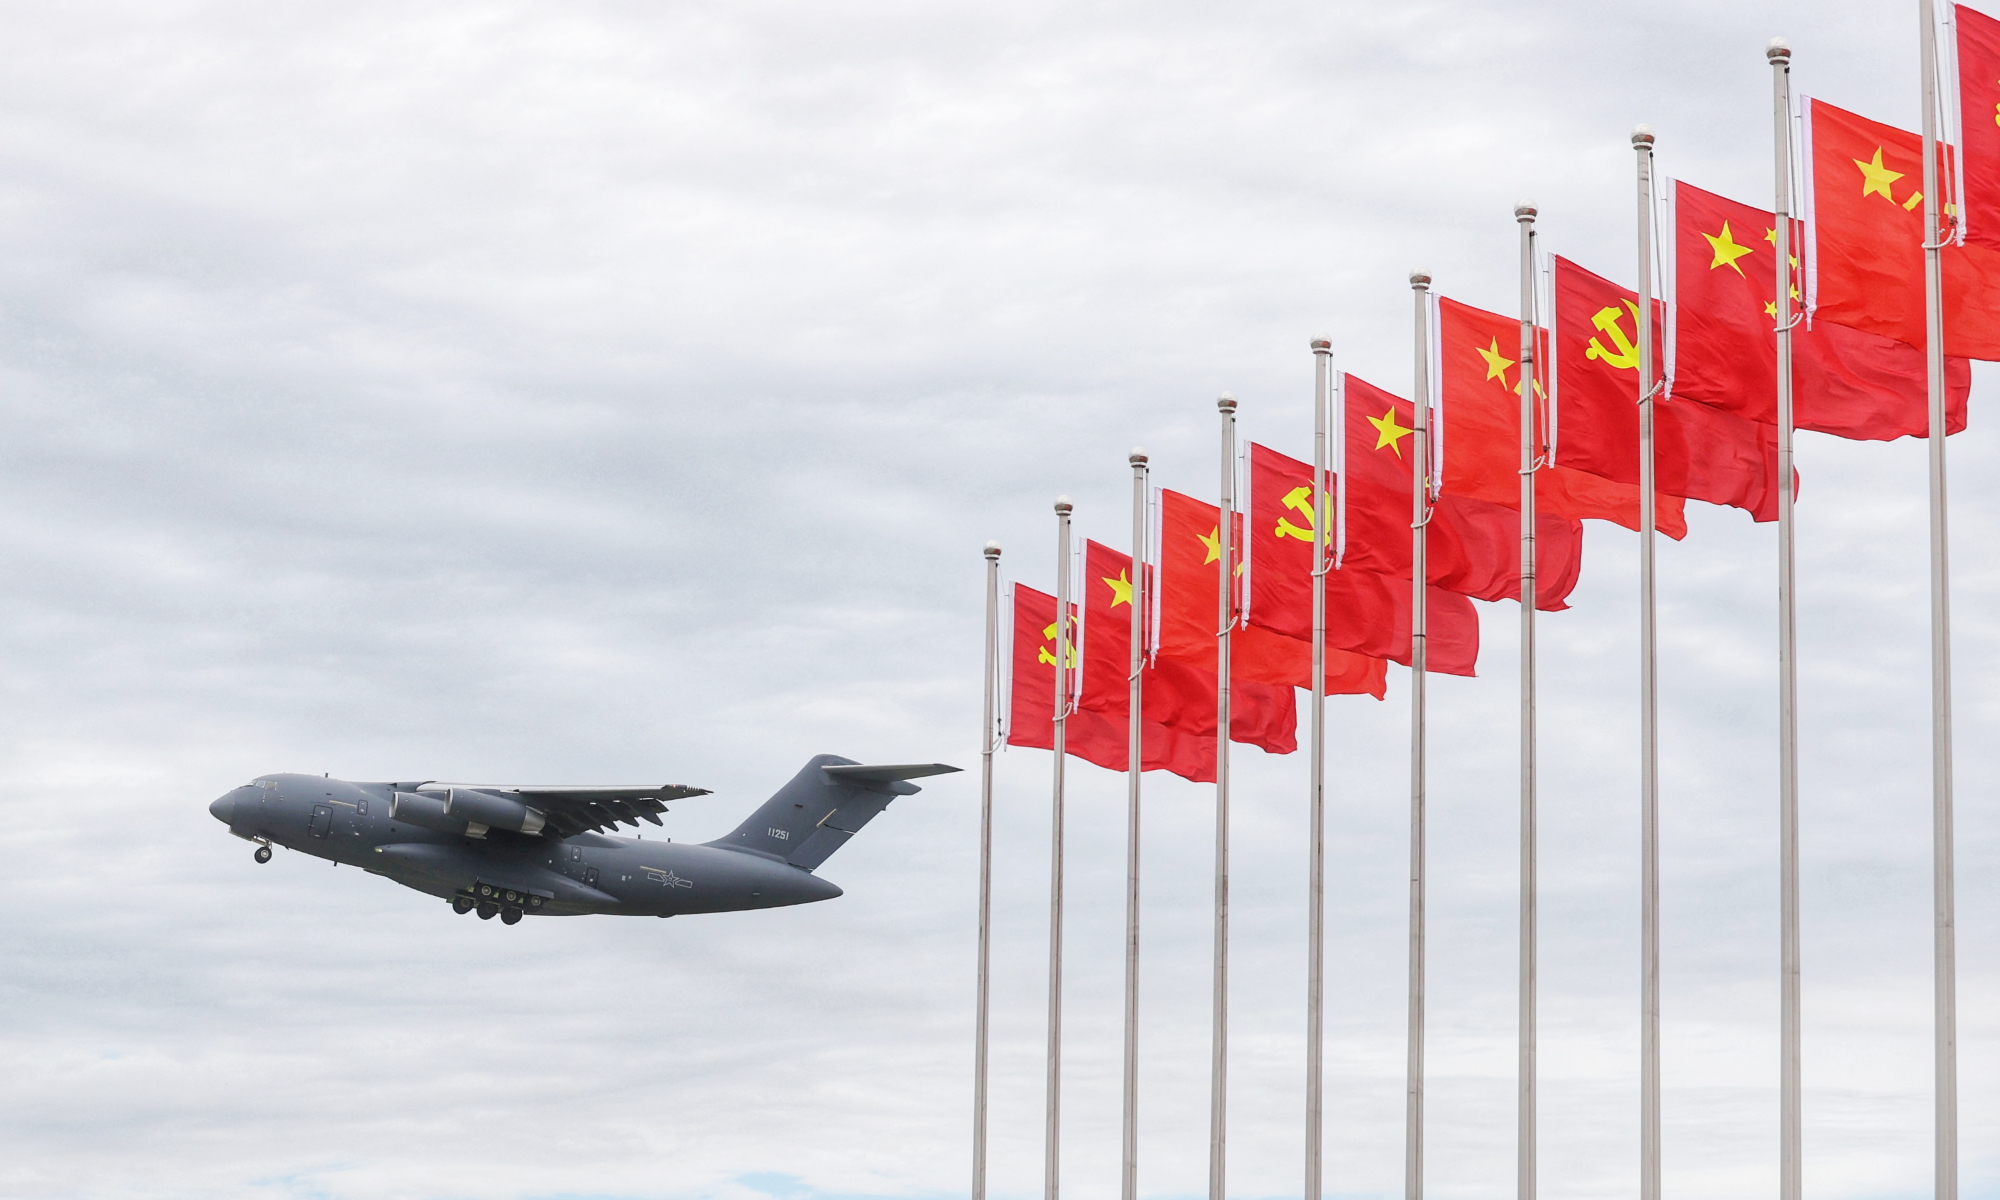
x,y
575,808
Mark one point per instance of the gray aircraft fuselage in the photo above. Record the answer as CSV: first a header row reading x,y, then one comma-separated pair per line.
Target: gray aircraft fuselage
x,y
767,862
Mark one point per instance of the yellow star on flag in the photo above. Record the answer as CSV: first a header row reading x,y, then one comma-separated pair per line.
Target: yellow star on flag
x,y
1391,434
1496,367
1726,249
1876,178
1771,236
1771,306
1213,540
1121,589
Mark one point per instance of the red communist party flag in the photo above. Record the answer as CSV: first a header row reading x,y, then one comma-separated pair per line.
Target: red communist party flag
x,y
1979,122
1032,685
1367,610
1480,399
1092,735
1190,548
1865,267
1473,546
1725,345
1699,452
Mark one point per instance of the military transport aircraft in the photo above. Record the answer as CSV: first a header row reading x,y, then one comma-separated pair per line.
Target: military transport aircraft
x,y
512,850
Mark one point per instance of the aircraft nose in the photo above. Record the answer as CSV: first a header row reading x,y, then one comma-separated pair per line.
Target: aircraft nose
x,y
223,808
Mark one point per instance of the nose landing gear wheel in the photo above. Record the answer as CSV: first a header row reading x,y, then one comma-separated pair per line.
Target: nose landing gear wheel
x,y
512,916
487,910
461,904
263,854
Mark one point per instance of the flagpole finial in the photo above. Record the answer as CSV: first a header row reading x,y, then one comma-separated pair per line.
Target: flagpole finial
x,y
1226,402
993,550
1322,345
1063,506
1420,279
1779,51
1137,457
1642,135
1525,211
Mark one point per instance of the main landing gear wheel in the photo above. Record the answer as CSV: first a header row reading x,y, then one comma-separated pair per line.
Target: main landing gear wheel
x,y
461,904
512,916
263,854
486,910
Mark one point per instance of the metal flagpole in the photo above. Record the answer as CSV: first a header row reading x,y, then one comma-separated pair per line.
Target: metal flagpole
x,y
987,741
1218,1096
1413,1114
1128,1188
1944,996
1531,452
1649,730
1053,1135
1316,886
1790,1167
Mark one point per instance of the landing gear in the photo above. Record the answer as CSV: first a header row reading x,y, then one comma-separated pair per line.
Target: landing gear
x,y
486,910
512,916
263,854
461,904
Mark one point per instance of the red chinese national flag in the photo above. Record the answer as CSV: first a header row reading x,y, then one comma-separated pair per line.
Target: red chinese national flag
x,y
1699,452
1178,701
1845,382
1091,734
1473,547
1479,393
1178,705
1189,551
1979,122
1367,612
1260,672
1866,265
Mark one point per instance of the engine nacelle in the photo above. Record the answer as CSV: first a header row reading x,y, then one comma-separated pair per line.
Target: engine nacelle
x,y
415,808
493,812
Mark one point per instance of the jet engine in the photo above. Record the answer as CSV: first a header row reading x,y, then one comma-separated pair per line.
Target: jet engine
x,y
466,812
414,808
492,812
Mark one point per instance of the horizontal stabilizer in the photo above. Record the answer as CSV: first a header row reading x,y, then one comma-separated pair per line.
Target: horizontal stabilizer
x,y
888,774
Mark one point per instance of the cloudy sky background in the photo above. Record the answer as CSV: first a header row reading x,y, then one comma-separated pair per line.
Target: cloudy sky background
x,y
621,392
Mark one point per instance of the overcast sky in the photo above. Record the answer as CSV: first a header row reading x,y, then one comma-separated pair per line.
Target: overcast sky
x,y
621,392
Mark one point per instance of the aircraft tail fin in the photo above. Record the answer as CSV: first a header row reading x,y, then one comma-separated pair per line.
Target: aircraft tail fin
x,y
826,803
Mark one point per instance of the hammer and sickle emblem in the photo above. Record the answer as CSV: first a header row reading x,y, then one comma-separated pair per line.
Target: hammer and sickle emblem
x,y
1043,655
1606,320
1299,498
